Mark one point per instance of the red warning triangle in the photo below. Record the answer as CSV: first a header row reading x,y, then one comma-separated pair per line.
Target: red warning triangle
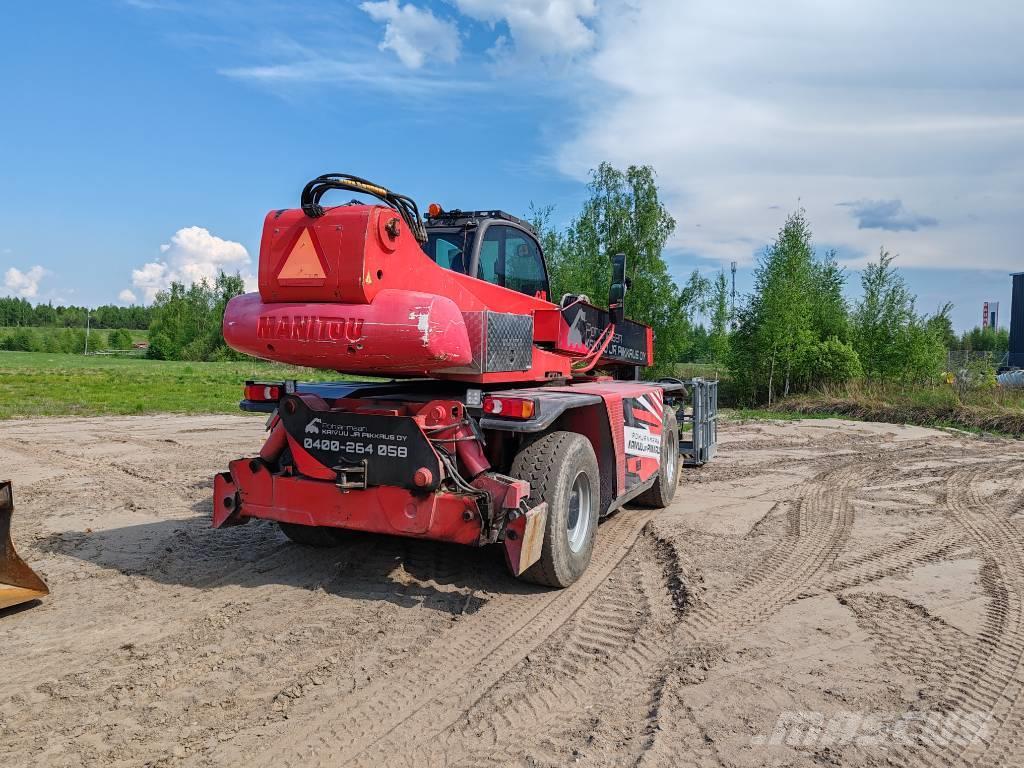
x,y
303,262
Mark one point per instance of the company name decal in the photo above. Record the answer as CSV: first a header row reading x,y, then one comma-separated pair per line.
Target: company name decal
x,y
640,442
310,328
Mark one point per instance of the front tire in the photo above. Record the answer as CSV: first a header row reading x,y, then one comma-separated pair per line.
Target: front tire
x,y
321,537
562,470
660,494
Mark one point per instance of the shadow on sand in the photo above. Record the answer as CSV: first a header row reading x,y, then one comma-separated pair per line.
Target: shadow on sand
x,y
189,553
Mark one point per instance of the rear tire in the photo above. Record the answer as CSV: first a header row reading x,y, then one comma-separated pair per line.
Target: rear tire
x,y
660,494
562,470
321,537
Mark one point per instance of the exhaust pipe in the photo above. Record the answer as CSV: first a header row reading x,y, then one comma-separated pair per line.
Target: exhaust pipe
x,y
18,582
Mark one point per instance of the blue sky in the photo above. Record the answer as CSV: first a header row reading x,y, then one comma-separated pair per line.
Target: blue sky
x,y
143,140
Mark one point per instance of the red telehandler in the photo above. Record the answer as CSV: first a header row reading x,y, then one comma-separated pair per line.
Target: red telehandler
x,y
495,427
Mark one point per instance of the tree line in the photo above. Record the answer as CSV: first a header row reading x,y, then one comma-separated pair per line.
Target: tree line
x,y
795,331
19,312
62,340
184,323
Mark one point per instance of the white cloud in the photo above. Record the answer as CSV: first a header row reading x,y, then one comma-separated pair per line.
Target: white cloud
x,y
414,33
127,297
192,255
549,28
748,110
24,284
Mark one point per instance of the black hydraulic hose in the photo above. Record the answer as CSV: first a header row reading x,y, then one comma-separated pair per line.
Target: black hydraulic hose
x,y
406,207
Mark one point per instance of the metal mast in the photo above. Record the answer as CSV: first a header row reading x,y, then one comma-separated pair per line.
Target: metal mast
x,y
732,309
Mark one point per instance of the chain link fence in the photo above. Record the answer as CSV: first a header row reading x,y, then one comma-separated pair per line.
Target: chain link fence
x,y
957,359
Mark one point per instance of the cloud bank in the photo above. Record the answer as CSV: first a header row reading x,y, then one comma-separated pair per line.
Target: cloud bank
x,y
192,255
414,33
24,284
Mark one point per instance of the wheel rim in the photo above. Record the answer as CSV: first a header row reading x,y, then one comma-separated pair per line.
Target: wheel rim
x,y
577,522
672,459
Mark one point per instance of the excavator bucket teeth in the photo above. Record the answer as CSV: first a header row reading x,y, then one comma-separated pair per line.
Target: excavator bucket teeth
x,y
18,582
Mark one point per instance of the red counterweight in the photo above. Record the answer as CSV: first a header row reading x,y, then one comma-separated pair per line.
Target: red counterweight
x,y
353,291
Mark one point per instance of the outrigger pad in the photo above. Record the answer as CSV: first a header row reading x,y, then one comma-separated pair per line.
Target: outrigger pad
x,y
18,582
524,538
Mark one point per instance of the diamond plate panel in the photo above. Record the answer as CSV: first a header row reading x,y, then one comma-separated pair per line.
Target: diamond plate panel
x,y
509,342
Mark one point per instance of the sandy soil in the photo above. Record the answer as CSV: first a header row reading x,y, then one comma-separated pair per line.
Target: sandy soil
x,y
856,573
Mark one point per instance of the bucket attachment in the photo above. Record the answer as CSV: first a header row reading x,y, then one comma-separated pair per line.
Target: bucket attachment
x,y
18,582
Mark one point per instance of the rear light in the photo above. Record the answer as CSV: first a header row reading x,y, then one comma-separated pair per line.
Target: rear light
x,y
262,393
510,407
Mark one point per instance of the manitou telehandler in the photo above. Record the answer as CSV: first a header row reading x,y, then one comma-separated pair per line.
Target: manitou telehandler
x,y
495,427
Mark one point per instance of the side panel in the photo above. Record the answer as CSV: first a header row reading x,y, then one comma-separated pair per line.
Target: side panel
x,y
642,421
582,324
635,411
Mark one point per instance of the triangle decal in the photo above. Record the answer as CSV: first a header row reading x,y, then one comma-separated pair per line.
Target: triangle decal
x,y
303,262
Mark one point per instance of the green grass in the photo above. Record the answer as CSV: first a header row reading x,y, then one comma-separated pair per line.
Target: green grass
x,y
44,384
759,414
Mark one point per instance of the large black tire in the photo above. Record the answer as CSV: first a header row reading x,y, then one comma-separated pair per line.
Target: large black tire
x,y
660,494
562,470
321,537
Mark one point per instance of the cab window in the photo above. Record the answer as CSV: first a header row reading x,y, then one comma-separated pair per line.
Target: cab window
x,y
510,258
450,249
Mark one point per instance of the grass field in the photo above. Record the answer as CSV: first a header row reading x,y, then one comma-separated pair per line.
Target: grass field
x,y
43,384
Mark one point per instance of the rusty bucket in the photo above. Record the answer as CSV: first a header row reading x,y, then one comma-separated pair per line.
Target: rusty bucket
x,y
18,582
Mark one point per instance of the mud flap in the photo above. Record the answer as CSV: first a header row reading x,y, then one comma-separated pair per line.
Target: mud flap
x,y
18,582
226,501
524,538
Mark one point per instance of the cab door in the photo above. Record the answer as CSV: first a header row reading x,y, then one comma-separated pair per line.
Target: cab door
x,y
510,257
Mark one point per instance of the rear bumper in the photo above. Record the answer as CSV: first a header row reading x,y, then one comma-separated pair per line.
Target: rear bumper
x,y
249,490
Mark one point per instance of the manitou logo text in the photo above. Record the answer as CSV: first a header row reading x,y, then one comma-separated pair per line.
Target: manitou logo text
x,y
310,328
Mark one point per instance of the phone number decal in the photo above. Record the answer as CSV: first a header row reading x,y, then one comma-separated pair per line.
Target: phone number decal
x,y
358,449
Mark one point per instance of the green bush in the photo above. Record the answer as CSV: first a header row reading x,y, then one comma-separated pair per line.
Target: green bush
x,y
829,362
186,322
120,339
24,340
97,341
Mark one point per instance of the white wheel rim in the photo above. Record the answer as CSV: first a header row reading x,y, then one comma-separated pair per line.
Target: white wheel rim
x,y
672,459
577,521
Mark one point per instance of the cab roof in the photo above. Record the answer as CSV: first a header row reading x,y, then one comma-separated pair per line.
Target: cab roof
x,y
457,218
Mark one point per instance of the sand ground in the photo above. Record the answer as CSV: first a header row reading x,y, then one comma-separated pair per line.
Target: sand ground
x,y
823,593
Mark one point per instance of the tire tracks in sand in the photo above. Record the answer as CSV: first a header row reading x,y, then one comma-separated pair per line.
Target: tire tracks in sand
x,y
618,648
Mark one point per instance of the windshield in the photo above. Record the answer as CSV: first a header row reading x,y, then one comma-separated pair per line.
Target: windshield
x,y
450,249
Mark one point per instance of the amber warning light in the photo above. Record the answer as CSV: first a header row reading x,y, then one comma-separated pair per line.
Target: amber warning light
x,y
434,210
